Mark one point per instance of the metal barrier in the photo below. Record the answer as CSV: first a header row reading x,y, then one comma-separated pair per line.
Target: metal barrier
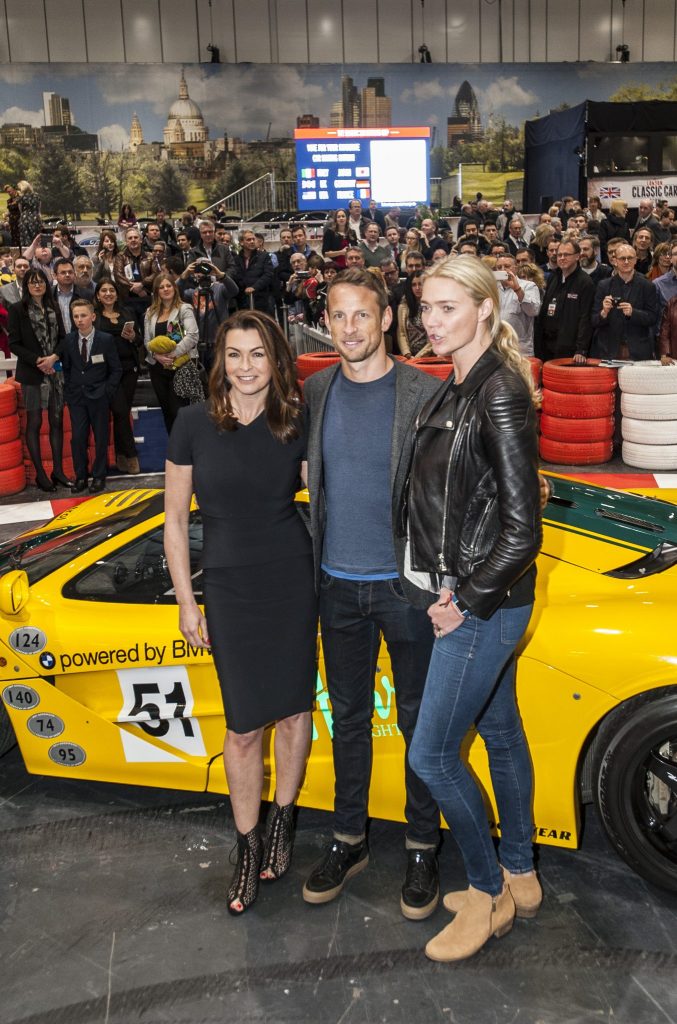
x,y
7,363
311,339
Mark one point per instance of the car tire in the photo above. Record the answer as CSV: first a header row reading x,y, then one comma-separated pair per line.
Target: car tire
x,y
309,363
7,399
559,428
658,432
7,737
650,456
11,454
10,428
634,805
578,378
569,453
648,378
536,370
12,481
434,366
649,407
584,407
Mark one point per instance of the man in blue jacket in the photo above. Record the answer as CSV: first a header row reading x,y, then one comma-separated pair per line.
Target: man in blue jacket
x,y
92,372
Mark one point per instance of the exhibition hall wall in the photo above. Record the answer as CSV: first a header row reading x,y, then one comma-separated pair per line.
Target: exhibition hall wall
x,y
335,31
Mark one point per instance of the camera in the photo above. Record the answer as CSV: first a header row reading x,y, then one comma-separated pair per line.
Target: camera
x,y
302,274
203,269
615,301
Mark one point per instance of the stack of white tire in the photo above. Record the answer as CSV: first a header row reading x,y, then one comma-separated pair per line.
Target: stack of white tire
x,y
649,411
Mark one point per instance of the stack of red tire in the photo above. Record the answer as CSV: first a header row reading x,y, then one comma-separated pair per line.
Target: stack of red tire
x,y
45,448
308,363
577,423
12,472
435,366
536,370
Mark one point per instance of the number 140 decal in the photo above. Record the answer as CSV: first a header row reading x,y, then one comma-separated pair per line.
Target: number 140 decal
x,y
160,702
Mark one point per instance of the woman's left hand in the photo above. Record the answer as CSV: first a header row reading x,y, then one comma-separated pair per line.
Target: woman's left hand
x,y
165,360
444,615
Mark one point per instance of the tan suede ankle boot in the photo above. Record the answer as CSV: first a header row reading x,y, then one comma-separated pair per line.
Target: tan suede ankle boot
x,y
480,917
526,892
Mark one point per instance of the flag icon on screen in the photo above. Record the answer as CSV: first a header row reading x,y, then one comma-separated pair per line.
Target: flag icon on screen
x,y
307,172
609,192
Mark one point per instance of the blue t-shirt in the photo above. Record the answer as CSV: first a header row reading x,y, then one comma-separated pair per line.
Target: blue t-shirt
x,y
356,443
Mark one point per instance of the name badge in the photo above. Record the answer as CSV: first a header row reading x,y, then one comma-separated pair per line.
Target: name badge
x,y
98,358
572,295
552,306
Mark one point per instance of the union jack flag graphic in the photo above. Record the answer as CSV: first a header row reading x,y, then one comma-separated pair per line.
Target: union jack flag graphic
x,y
609,192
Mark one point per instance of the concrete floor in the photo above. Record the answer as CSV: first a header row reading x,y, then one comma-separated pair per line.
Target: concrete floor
x,y
113,912
113,903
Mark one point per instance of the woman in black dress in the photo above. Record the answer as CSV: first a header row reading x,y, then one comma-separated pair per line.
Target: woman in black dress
x,y
243,453
114,319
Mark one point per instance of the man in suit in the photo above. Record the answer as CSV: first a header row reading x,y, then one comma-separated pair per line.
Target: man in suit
x,y
92,372
362,415
373,213
11,293
254,275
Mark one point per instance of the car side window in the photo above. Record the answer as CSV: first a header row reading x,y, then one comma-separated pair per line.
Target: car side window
x,y
137,573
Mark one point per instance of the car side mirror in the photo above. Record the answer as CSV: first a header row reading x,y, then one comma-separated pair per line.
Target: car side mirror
x,y
14,591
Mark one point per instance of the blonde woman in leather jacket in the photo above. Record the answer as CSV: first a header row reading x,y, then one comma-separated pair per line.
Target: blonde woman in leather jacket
x,y
474,531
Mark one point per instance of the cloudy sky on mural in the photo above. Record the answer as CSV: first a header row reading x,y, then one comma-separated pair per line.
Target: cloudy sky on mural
x,y
242,99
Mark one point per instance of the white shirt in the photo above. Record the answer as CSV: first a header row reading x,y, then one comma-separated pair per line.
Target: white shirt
x,y
520,315
65,299
89,338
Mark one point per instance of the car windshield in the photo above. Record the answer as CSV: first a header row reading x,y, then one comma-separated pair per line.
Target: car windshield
x,y
48,551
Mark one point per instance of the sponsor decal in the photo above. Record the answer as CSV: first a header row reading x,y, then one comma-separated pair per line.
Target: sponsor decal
x,y
141,653
27,640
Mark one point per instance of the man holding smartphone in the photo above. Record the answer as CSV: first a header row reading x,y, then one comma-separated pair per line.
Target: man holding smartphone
x,y
520,302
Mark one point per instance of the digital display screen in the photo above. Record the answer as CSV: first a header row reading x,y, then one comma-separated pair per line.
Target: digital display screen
x,y
335,165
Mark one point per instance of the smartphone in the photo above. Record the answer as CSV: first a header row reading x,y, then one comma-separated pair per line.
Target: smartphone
x,y
46,241
501,275
127,324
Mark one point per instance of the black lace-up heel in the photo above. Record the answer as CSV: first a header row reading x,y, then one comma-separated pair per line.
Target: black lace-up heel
x,y
244,885
278,843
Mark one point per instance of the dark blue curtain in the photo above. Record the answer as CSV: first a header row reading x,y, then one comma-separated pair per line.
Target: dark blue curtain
x,y
551,164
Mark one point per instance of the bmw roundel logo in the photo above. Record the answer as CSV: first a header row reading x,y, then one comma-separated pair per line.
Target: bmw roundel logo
x,y
47,659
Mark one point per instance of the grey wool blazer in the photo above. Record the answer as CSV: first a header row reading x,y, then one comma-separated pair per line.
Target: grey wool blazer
x,y
413,388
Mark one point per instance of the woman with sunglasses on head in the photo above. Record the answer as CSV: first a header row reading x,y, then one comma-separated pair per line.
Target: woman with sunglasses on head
x,y
474,530
243,454
36,334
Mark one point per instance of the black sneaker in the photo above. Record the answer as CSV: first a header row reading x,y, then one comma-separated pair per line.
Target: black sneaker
x,y
340,863
421,889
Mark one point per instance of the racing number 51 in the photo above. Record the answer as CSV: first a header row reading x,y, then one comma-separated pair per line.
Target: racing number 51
x,y
159,726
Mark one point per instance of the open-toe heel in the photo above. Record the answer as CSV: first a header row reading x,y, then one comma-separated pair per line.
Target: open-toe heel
x,y
244,885
278,842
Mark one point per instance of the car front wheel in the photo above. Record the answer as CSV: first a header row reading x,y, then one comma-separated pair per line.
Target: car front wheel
x,y
635,783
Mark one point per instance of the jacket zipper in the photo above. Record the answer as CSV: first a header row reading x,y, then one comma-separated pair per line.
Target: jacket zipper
x,y
480,526
441,562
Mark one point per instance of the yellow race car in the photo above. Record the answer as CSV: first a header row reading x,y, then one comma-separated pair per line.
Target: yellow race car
x,y
97,682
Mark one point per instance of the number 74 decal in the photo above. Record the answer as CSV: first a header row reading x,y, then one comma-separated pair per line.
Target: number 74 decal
x,y
159,701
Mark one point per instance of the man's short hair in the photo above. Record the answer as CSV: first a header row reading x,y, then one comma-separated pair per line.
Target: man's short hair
x,y
63,261
575,246
151,223
467,241
82,302
353,248
356,277
298,227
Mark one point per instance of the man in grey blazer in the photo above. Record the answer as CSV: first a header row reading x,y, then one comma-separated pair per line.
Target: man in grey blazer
x,y
362,415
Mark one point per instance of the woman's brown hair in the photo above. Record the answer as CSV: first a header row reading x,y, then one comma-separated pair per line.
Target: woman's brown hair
x,y
156,302
283,402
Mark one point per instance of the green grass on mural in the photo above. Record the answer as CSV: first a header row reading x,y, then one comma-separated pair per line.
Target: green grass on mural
x,y
491,184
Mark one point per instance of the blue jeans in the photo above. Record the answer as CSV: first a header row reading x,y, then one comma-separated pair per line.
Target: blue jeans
x,y
471,680
353,615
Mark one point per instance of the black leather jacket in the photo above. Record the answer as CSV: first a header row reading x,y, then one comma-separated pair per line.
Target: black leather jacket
x,y
473,498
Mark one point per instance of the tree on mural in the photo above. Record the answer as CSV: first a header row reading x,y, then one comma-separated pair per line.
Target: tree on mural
x,y
56,178
131,175
98,182
634,93
167,187
14,166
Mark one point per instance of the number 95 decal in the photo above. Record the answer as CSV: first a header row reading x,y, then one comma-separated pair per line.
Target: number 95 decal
x,y
159,701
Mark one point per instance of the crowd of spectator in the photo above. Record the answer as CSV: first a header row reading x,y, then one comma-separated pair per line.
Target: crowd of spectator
x,y
582,282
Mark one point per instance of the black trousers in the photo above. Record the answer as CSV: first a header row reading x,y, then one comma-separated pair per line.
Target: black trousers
x,y
163,385
121,407
89,412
